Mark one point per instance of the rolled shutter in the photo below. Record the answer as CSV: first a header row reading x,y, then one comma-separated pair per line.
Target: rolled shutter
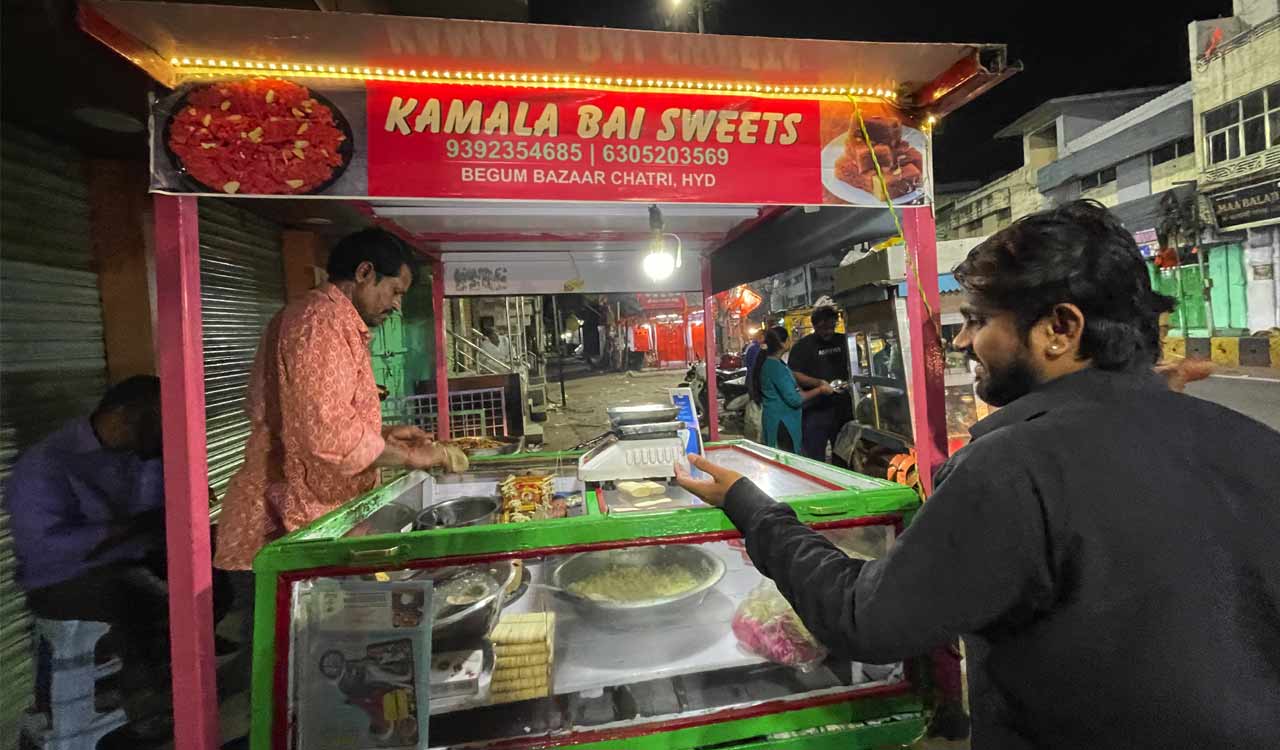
x,y
52,361
241,288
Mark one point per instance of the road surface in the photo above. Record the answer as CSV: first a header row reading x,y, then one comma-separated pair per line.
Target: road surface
x,y
1256,397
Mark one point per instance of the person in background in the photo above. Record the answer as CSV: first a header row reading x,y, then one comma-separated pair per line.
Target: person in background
x,y
86,511
495,346
752,351
815,360
317,438
1105,602
774,388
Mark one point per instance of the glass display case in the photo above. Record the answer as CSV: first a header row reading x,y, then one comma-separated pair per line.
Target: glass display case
x,y
615,622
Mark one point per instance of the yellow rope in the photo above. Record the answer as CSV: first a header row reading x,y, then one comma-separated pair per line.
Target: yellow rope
x,y
884,187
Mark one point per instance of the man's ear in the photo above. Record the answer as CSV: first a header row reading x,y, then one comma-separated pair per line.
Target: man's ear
x,y
365,272
1061,331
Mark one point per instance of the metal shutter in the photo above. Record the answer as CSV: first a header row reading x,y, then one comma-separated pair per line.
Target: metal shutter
x,y
241,288
52,363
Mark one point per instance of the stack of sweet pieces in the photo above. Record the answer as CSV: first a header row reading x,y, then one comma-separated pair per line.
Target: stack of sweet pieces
x,y
523,652
526,498
901,163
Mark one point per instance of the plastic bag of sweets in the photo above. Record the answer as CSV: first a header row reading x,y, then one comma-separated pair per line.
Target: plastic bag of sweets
x,y
767,626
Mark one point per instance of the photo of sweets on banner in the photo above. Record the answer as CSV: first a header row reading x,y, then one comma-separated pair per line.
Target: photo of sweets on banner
x,y
260,136
271,136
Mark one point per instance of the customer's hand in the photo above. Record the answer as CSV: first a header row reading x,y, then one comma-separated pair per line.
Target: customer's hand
x,y
710,491
1178,374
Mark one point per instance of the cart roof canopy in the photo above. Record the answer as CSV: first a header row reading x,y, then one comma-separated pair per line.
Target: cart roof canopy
x,y
556,233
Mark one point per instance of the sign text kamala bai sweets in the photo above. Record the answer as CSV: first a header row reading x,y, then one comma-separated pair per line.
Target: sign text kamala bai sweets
x,y
431,140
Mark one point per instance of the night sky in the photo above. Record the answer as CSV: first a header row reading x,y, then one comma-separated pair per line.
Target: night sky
x,y
1089,46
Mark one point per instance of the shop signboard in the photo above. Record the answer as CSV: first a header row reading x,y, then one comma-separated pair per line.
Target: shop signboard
x,y
1247,206
424,140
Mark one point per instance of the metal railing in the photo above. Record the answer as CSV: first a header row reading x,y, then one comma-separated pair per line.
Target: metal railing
x,y
472,358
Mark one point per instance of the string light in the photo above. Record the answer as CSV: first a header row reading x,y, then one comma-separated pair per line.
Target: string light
x,y
212,67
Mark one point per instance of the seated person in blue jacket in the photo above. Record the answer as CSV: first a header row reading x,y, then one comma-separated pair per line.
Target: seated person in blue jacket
x,y
86,507
774,388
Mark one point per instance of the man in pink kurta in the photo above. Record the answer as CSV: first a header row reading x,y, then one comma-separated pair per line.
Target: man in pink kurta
x,y
317,438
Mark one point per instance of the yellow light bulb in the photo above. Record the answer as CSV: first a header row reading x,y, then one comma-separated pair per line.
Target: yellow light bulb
x,y
699,84
173,61
199,61
545,78
524,76
668,84
344,69
368,72
413,74
468,75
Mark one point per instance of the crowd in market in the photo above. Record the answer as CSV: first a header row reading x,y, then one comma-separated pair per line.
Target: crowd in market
x,y
1105,601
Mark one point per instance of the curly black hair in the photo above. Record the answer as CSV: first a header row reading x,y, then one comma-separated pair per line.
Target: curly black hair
x,y
1081,254
386,252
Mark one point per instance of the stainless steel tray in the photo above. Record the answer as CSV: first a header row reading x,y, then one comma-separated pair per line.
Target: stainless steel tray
x,y
641,414
648,430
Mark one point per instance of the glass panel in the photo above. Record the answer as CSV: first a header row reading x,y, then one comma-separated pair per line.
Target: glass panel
x,y
893,409
1274,118
1186,146
954,361
1217,148
1217,119
1233,143
547,645
1107,175
1253,104
1273,96
1163,154
1255,135
886,357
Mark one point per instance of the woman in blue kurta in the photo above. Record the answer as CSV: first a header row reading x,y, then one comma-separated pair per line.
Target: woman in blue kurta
x,y
775,389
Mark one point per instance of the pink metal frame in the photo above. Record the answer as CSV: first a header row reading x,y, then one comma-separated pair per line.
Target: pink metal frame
x,y
181,367
186,473
442,351
928,400
709,337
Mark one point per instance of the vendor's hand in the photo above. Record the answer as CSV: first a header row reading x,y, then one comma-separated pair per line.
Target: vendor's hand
x,y
406,435
710,491
1178,374
826,389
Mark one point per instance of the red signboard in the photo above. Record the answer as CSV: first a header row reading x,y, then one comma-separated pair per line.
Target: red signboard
x,y
411,139
496,142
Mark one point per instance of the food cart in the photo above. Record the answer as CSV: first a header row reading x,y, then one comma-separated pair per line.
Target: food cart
x,y
489,146
872,292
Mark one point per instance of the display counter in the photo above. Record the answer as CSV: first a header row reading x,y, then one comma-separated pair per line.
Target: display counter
x,y
634,620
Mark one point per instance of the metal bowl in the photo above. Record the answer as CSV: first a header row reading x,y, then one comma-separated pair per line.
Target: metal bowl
x,y
706,568
464,627
641,414
460,511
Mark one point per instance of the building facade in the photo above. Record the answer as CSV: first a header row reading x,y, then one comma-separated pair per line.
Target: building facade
x,y
1048,134
1235,79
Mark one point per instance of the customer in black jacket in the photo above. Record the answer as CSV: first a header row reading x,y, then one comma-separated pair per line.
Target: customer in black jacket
x,y
1108,548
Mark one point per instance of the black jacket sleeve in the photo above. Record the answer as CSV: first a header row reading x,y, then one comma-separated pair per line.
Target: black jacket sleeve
x,y
977,552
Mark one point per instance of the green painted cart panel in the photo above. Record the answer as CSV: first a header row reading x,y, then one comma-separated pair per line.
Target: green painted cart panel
x,y
323,545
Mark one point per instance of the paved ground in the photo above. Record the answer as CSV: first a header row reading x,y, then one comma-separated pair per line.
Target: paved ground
x,y
584,416
1257,396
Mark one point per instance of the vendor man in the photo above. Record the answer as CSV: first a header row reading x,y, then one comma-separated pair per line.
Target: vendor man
x,y
317,438
816,360
1106,546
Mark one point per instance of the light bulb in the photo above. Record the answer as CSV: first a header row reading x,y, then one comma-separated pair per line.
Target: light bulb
x,y
659,264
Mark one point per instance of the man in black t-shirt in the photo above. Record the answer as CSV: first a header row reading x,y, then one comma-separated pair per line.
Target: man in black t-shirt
x,y
819,358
